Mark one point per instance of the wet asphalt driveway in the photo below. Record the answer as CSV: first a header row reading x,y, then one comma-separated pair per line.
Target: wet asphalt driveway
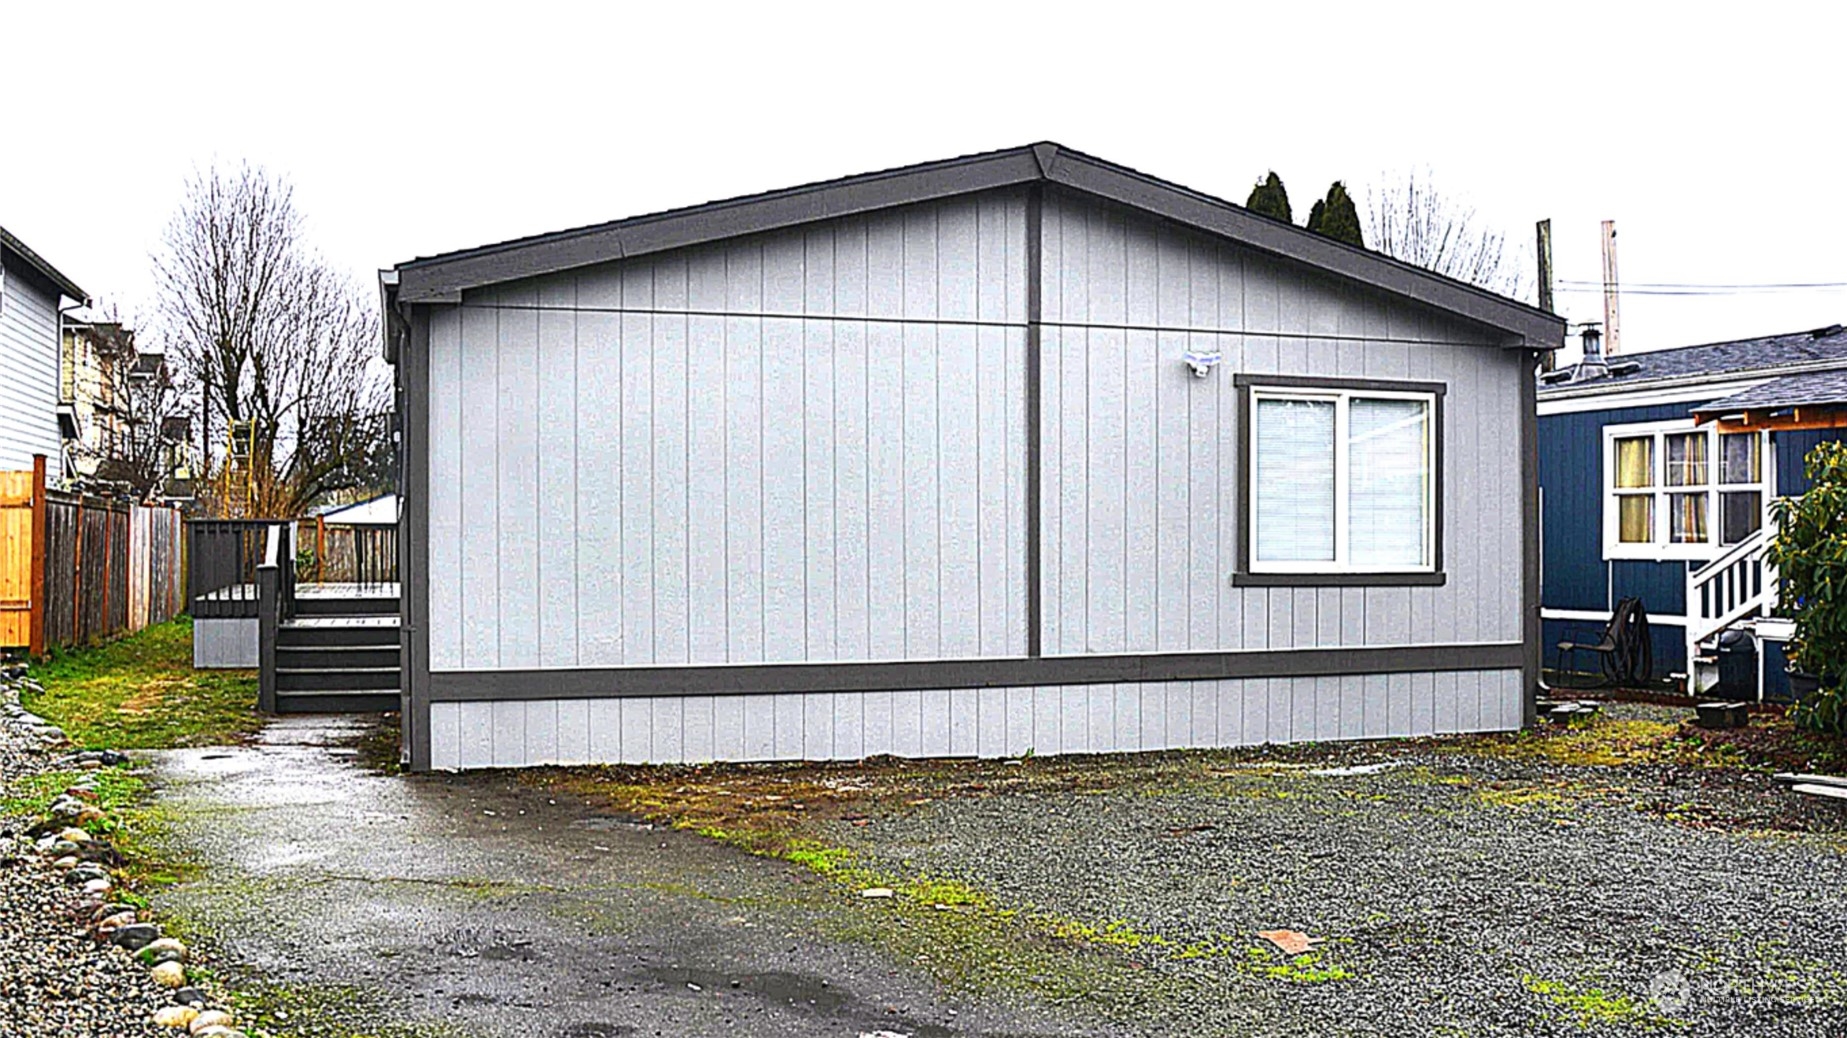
x,y
480,903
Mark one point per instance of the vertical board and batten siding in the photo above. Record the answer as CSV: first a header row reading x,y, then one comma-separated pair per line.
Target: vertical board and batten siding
x,y
971,722
796,447
1142,472
28,372
810,446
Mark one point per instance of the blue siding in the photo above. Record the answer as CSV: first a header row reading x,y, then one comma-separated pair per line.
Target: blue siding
x,y
1669,643
1571,479
1790,448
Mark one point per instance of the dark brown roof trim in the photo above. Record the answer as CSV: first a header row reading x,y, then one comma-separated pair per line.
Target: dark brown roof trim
x,y
443,278
37,263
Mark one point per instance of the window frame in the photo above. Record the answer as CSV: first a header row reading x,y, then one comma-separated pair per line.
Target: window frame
x,y
1659,548
1337,572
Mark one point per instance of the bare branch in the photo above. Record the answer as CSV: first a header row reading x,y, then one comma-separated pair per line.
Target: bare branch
x,y
1413,221
274,341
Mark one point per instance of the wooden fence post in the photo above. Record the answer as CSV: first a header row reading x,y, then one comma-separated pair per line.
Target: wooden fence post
x,y
35,622
77,579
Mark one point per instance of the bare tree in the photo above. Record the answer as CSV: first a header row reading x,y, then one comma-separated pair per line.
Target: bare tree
x,y
277,345
1415,222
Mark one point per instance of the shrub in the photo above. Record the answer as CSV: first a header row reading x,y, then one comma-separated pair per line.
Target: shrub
x,y
1810,554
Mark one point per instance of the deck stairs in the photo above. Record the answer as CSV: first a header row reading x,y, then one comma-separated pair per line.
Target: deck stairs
x,y
338,653
1736,590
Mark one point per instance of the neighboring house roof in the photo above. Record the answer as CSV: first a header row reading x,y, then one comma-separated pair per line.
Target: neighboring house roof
x,y
11,247
382,509
442,278
1768,354
1806,390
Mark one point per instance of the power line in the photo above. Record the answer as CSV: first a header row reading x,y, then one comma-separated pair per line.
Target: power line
x,y
1701,290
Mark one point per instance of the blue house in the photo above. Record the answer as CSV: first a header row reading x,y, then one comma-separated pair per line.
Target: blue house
x,y
1656,472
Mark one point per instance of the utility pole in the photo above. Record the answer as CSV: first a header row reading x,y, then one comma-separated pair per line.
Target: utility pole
x,y
1549,359
1612,327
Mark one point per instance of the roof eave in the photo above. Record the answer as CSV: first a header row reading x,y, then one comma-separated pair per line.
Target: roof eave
x,y
443,279
38,263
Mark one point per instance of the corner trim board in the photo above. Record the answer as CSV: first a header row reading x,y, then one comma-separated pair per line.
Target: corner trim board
x,y
744,679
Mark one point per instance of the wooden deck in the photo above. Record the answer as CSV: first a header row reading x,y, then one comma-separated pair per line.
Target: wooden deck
x,y
248,592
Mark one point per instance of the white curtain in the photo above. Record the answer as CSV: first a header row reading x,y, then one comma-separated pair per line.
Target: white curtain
x,y
1388,482
1295,480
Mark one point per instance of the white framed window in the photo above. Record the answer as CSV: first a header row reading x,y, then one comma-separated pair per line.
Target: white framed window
x,y
1342,481
1673,490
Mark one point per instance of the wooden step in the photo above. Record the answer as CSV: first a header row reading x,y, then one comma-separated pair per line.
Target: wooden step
x,y
327,606
322,679
336,701
1789,778
310,657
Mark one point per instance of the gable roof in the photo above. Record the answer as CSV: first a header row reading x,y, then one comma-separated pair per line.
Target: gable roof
x,y
1811,389
11,246
1738,358
442,278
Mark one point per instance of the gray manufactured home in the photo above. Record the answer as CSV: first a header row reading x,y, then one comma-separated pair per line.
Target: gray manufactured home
x,y
1018,451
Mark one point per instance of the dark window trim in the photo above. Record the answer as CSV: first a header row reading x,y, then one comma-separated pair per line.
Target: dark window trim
x,y
1242,576
451,686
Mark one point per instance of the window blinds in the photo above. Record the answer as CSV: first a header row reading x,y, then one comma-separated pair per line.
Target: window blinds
x,y
1295,480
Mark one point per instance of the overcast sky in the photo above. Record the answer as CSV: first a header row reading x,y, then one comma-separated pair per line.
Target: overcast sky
x,y
1713,138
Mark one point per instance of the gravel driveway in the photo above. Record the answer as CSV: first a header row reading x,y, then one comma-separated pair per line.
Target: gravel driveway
x,y
1454,888
1455,893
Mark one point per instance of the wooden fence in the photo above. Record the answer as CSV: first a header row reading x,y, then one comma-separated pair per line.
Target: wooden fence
x,y
347,553
79,570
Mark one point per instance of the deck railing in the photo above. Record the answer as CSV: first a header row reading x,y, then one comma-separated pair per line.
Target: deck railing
x,y
221,563
1740,583
275,585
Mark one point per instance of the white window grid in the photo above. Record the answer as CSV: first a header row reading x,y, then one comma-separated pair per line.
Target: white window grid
x,y
1660,548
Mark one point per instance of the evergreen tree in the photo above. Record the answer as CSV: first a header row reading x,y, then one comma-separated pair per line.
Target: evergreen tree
x,y
1336,216
1269,199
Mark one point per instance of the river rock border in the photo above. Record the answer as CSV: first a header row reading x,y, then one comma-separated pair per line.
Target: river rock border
x,y
70,854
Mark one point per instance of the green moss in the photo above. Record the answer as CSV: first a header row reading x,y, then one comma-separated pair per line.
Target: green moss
x,y
324,1011
1306,968
1588,1006
141,693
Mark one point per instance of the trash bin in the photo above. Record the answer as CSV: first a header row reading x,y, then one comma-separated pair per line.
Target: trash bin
x,y
1737,667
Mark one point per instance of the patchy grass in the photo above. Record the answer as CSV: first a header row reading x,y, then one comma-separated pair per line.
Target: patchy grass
x,y
959,933
1589,1006
131,826
1597,742
1307,968
320,1011
141,693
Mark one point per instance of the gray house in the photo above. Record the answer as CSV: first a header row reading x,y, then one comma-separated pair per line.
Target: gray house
x,y
1022,450
31,295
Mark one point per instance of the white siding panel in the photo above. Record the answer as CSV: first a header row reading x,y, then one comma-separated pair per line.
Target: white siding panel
x,y
445,490
557,489
517,491
599,489
480,534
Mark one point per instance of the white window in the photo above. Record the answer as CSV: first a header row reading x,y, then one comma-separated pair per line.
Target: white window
x,y
1674,491
1342,481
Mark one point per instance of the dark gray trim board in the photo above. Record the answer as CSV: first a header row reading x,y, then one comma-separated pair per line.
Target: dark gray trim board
x,y
1530,628
1035,429
414,540
38,267
444,278
1242,575
743,679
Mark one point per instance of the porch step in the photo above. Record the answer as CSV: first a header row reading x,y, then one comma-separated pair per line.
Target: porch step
x,y
338,630
314,657
336,701
325,679
326,605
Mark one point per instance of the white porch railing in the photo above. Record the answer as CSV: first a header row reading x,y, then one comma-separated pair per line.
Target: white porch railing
x,y
1740,583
